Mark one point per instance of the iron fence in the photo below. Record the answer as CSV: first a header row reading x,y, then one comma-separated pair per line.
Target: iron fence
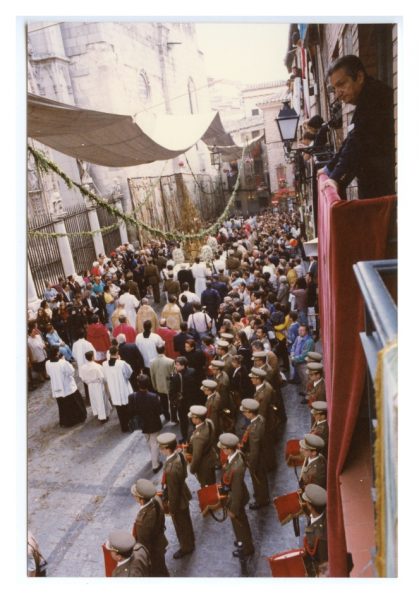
x,y
111,239
43,254
82,246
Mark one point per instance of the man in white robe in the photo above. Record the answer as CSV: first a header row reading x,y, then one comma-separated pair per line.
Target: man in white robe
x,y
200,272
92,375
117,373
131,303
79,349
71,408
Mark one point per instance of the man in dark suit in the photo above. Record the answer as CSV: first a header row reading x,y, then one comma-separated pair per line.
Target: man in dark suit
x,y
368,152
147,406
210,298
183,390
180,339
130,354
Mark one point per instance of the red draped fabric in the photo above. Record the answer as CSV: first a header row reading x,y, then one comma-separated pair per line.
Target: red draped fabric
x,y
348,232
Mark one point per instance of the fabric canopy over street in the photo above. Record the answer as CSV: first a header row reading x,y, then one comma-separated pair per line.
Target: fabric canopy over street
x,y
120,140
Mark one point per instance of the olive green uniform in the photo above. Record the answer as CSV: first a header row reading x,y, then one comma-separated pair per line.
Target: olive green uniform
x,y
204,456
238,497
178,495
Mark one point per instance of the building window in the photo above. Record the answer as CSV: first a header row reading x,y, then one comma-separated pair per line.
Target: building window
x,y
255,133
144,88
255,112
347,44
193,101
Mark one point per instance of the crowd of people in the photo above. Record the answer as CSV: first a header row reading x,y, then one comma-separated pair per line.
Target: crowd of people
x,y
206,349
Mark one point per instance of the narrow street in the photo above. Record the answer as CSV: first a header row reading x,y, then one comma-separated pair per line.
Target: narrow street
x,y
79,489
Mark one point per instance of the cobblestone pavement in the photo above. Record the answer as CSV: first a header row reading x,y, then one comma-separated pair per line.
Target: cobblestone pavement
x,y
79,483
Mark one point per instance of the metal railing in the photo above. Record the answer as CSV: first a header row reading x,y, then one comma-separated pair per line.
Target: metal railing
x,y
381,332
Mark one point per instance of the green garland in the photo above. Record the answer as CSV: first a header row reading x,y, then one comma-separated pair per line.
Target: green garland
x,y
34,233
45,165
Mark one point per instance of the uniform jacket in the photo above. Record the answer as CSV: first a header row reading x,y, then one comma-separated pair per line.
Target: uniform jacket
x,y
315,539
266,397
315,472
149,528
317,392
213,405
175,473
253,439
233,476
137,566
201,446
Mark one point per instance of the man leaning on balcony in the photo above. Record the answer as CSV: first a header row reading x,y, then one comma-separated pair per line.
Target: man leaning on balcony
x,y
368,152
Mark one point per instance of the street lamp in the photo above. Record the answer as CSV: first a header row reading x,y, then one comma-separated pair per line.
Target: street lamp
x,y
287,121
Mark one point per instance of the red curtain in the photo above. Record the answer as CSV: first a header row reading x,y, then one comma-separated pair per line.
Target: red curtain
x,y
348,232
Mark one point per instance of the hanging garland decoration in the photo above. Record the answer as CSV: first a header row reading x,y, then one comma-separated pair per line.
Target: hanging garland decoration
x,y
34,233
45,165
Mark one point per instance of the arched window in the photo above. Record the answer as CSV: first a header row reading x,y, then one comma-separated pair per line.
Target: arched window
x,y
193,100
144,89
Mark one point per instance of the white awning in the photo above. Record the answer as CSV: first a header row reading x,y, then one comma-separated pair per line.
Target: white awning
x,y
120,140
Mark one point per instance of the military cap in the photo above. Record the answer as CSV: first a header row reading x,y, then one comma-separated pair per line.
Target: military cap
x,y
312,442
120,541
228,440
166,439
143,488
318,406
209,383
249,404
259,354
197,411
219,364
223,343
314,366
314,357
255,372
227,336
316,495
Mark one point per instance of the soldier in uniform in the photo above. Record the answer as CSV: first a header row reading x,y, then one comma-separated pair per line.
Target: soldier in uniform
x,y
177,493
223,388
252,447
320,426
149,525
318,389
238,495
133,558
213,405
201,446
273,377
223,354
229,337
314,469
264,394
315,535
